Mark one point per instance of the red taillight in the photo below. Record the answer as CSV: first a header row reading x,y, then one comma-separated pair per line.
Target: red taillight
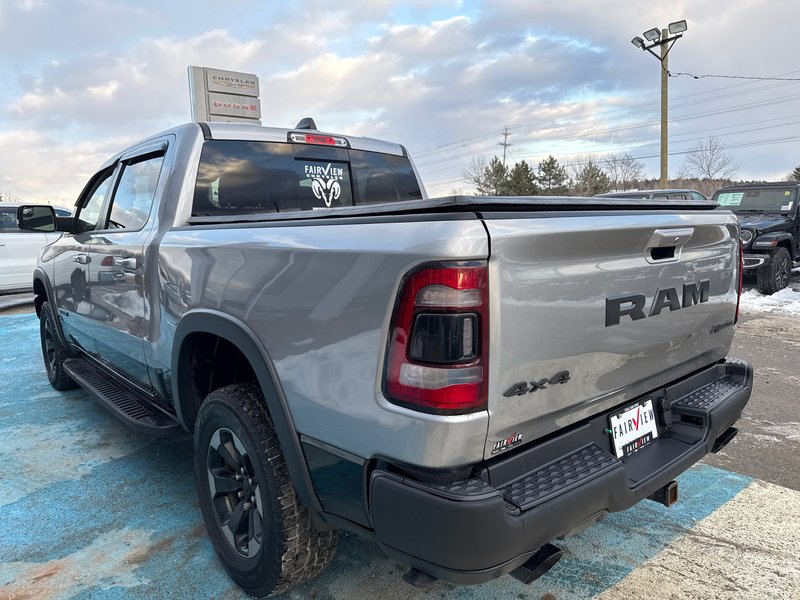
x,y
108,261
437,359
741,277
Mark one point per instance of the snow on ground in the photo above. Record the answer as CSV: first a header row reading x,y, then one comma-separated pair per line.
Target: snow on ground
x,y
786,301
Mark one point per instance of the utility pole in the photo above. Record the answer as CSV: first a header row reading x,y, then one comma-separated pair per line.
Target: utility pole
x,y
662,38
505,143
664,109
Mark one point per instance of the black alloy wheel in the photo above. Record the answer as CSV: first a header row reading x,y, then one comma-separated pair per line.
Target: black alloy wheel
x,y
235,493
261,532
774,275
53,351
783,270
49,346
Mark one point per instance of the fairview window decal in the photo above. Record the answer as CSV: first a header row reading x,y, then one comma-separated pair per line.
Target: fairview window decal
x,y
325,182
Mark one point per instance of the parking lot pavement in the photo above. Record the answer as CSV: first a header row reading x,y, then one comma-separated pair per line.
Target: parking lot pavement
x,y
89,509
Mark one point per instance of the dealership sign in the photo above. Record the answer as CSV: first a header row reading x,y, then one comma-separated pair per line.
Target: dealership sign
x,y
224,96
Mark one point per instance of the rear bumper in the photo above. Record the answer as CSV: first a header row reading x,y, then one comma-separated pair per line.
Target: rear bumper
x,y
476,530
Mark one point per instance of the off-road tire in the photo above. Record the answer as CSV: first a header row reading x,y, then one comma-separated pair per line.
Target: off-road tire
x,y
774,275
291,550
53,351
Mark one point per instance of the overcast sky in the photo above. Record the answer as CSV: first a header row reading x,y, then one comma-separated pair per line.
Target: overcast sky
x,y
81,79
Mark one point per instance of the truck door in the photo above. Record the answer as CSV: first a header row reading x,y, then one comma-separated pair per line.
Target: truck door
x,y
117,257
71,278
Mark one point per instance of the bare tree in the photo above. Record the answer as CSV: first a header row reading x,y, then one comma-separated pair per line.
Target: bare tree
x,y
7,196
709,160
577,163
623,170
588,178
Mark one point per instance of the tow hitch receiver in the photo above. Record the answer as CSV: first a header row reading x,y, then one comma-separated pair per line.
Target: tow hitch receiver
x,y
538,564
667,495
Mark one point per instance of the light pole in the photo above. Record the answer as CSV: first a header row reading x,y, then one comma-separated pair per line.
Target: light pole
x,y
664,38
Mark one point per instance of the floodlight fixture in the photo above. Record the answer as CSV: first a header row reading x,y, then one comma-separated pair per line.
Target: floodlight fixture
x,y
652,35
663,41
677,27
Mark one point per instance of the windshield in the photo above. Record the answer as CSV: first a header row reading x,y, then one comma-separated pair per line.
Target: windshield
x,y
767,200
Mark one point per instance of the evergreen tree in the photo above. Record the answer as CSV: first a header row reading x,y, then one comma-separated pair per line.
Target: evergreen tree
x,y
591,180
795,175
552,177
491,181
521,181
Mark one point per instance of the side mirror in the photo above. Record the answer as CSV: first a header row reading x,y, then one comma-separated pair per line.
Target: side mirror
x,y
39,218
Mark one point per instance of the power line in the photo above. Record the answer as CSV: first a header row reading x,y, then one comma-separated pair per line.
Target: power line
x,y
671,74
627,111
612,130
736,145
624,113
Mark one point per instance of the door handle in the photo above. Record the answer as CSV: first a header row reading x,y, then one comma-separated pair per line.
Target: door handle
x,y
127,263
81,259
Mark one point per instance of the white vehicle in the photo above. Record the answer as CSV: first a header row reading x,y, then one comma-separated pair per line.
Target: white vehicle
x,y
20,249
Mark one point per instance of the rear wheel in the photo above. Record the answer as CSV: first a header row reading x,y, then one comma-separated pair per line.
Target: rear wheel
x,y
774,275
261,532
53,351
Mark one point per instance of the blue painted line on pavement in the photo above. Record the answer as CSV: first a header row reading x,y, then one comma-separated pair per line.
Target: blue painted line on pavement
x,y
96,511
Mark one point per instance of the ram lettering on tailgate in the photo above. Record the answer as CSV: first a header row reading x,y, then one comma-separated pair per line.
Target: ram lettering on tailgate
x,y
633,305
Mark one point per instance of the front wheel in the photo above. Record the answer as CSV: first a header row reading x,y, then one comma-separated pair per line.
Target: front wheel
x,y
53,351
260,531
774,275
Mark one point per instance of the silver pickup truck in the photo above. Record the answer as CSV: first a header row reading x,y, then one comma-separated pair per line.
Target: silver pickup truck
x,y
462,380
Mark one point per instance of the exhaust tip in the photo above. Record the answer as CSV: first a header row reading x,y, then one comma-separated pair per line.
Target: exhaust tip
x,y
419,579
724,439
538,564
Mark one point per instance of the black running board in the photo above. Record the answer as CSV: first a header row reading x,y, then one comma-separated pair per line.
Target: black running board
x,y
124,401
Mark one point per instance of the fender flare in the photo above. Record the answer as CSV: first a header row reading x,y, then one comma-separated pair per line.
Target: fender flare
x,y
40,275
768,241
240,335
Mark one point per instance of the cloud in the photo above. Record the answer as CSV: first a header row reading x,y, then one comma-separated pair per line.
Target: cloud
x,y
107,92
563,76
41,167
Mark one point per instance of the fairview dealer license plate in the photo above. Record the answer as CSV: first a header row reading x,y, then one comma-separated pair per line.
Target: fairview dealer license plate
x,y
633,428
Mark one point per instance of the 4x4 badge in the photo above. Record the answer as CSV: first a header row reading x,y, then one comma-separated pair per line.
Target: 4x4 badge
x,y
527,387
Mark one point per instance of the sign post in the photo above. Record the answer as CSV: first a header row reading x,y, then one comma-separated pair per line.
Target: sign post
x,y
227,96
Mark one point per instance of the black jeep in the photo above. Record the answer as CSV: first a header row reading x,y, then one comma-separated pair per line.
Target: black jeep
x,y
768,216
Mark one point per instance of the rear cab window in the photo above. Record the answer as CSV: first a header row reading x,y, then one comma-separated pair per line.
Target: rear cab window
x,y
241,177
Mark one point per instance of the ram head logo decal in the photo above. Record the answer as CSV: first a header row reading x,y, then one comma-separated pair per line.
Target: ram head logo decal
x,y
326,189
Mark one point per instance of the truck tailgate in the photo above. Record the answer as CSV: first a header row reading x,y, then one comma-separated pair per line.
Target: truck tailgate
x,y
589,311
